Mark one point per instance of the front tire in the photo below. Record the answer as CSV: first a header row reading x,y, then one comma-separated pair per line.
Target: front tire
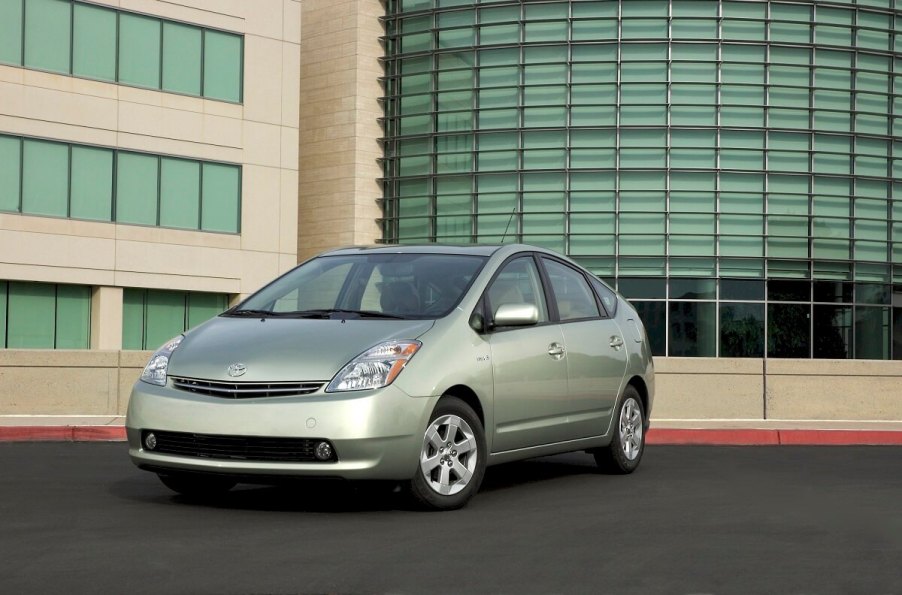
x,y
197,486
452,458
624,453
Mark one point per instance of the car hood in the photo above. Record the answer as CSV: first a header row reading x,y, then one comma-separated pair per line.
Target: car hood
x,y
283,350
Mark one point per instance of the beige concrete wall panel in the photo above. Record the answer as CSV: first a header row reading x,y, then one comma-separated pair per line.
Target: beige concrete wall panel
x,y
136,359
840,367
57,131
12,74
290,147
106,318
58,358
708,396
263,81
287,262
185,148
55,390
825,397
127,379
709,365
262,144
288,208
260,226
178,237
56,226
221,14
53,274
61,106
264,18
291,21
63,251
291,84
229,285
257,269
169,259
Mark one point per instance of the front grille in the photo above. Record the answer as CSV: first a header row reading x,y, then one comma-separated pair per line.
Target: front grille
x,y
240,448
245,390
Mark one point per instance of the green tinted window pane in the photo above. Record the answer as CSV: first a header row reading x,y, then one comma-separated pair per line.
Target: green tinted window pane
x,y
10,149
73,317
164,316
92,184
181,58
11,33
133,319
872,333
179,193
31,315
223,63
94,43
47,31
742,330
136,189
45,179
221,198
139,50
692,329
204,306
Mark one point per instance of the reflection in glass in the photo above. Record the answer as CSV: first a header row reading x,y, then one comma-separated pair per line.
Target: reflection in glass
x,y
691,289
692,329
871,333
788,291
832,332
788,332
832,291
742,289
654,317
742,330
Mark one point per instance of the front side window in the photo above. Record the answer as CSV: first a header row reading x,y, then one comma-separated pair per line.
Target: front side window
x,y
416,286
518,282
572,294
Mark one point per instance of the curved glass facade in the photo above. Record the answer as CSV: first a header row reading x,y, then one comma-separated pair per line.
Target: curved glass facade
x,y
732,167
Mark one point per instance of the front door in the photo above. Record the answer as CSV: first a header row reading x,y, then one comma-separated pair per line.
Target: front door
x,y
529,364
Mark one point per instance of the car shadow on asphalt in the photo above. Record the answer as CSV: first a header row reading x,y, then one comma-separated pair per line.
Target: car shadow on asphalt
x,y
339,496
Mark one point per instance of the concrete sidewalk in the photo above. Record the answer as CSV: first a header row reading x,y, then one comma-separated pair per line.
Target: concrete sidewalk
x,y
89,428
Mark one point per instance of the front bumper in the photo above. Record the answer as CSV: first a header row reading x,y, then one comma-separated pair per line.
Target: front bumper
x,y
376,434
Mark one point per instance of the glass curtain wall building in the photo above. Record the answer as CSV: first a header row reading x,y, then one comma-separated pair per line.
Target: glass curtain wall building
x,y
733,167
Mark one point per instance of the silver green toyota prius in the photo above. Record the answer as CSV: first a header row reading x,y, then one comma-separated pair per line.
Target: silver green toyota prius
x,y
416,364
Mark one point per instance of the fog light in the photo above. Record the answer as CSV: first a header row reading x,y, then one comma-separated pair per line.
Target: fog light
x,y
323,451
150,441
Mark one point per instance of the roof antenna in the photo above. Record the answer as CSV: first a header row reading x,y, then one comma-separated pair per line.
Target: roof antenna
x,y
511,218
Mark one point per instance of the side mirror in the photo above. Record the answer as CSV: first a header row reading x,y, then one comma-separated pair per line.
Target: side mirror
x,y
516,315
477,322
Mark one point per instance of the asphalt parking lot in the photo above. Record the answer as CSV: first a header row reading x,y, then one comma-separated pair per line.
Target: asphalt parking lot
x,y
79,518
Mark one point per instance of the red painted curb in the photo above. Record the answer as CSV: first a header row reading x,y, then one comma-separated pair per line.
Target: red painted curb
x,y
740,437
61,433
662,436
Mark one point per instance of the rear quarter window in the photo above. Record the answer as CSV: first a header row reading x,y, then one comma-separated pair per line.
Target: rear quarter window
x,y
606,295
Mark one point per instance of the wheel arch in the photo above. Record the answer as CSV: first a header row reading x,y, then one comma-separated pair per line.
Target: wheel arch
x,y
468,396
639,384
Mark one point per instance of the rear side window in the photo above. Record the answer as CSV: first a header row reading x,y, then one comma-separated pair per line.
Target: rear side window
x,y
608,297
572,295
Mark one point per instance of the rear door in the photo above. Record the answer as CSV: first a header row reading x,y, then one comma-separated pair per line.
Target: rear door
x,y
596,351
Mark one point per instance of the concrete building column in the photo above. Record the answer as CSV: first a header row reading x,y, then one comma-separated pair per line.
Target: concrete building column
x,y
106,318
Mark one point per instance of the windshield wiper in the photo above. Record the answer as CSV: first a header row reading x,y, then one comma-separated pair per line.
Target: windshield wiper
x,y
326,312
252,313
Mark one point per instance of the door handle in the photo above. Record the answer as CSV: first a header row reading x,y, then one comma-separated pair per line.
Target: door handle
x,y
556,350
616,342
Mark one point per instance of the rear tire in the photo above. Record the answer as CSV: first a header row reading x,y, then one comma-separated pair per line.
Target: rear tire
x,y
195,485
624,453
452,457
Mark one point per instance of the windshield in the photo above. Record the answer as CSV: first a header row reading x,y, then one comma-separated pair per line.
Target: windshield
x,y
369,286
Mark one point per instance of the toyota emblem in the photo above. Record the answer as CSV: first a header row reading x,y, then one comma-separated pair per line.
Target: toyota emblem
x,y
236,370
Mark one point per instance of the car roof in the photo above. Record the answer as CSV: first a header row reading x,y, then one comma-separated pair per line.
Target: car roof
x,y
472,249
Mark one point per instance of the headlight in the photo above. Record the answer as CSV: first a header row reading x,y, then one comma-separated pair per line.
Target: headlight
x,y
155,371
374,368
